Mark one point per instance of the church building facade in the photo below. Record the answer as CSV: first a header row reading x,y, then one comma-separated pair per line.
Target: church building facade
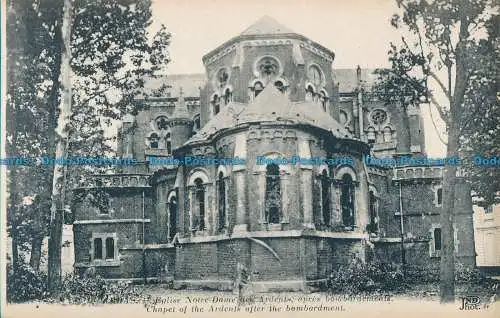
x,y
267,94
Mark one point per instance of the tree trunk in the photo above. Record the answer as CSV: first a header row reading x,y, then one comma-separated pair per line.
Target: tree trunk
x,y
57,202
447,270
15,251
36,250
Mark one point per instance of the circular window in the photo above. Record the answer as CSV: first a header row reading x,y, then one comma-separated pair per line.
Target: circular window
x,y
378,116
161,123
267,67
221,77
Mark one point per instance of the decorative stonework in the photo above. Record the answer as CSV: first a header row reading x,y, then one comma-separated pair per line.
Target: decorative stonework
x,y
117,181
408,173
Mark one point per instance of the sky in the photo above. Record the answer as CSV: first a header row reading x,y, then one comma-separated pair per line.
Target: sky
x,y
358,31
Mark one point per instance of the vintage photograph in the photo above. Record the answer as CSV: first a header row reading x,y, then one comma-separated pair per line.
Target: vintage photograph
x,y
248,157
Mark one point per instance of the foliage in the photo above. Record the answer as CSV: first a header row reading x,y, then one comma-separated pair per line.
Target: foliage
x,y
95,290
362,277
25,284
359,277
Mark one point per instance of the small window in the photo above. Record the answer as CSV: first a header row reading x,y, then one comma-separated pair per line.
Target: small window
x,y
437,239
258,88
387,134
371,136
154,141
439,196
280,86
110,248
228,96
309,93
215,105
324,100
489,209
168,143
97,248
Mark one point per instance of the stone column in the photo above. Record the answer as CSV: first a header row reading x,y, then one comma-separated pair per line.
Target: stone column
x,y
240,185
241,201
306,186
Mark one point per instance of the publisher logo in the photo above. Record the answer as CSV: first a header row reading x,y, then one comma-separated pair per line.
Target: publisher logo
x,y
471,303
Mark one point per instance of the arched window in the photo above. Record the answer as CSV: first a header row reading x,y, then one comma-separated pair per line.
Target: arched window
x,y
373,210
371,135
154,141
110,248
387,134
280,86
323,100
97,248
315,75
325,197
343,117
215,104
168,143
172,209
273,194
437,239
222,200
309,93
347,200
257,89
200,202
228,96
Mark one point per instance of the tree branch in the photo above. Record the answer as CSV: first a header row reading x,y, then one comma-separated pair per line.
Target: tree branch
x,y
439,108
435,127
441,84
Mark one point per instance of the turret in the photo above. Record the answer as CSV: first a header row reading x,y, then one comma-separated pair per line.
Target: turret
x,y
181,125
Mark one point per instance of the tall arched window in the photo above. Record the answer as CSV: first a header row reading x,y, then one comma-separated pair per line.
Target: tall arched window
x,y
373,210
172,209
154,140
200,202
215,104
325,197
258,88
273,194
110,248
437,239
222,200
347,200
